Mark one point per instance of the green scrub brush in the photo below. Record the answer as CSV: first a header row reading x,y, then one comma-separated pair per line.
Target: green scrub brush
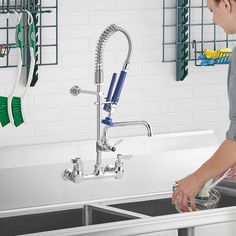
x,y
5,102
18,103
4,118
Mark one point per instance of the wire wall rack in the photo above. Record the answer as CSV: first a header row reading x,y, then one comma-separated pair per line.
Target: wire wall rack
x,y
46,30
188,29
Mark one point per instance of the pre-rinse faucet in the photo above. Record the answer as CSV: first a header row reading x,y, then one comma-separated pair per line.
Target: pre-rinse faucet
x,y
112,98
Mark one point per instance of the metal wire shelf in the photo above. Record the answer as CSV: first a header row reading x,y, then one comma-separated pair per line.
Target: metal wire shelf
x,y
194,31
43,45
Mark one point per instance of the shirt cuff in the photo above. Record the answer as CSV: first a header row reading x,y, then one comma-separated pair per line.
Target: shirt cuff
x,y
231,133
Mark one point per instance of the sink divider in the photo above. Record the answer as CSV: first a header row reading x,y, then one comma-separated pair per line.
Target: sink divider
x,y
86,215
88,212
186,231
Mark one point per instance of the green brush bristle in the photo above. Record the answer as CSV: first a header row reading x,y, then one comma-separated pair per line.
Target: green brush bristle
x,y
16,111
4,118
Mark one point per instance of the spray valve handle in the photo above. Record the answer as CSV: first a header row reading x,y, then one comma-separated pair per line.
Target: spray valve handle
x,y
118,142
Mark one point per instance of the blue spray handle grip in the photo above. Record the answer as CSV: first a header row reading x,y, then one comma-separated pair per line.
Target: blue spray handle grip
x,y
119,86
108,98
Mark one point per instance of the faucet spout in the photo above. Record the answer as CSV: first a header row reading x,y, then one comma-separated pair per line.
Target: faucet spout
x,y
127,123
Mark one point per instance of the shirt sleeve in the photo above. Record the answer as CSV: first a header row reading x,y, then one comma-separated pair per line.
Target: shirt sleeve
x,y
231,133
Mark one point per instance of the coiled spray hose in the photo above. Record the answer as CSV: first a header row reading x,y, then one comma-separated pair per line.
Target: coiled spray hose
x,y
106,34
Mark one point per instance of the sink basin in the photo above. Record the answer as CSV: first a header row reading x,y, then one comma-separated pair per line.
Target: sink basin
x,y
227,201
158,207
33,223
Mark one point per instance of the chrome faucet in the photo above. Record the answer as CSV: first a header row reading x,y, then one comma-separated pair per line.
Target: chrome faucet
x,y
110,105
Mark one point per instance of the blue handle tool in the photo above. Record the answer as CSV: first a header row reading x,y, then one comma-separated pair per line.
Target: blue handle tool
x,y
116,95
108,98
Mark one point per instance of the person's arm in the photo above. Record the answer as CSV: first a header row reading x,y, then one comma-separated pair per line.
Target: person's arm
x,y
231,174
223,159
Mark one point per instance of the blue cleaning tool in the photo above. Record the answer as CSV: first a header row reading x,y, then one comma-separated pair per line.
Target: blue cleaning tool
x,y
119,86
223,60
110,91
205,61
210,62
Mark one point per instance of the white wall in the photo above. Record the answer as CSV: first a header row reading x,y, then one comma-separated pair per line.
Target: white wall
x,y
150,91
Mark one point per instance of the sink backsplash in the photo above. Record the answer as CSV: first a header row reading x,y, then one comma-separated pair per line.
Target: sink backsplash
x,y
36,179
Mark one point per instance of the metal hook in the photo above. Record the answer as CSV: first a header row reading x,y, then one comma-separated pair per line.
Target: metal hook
x,y
44,11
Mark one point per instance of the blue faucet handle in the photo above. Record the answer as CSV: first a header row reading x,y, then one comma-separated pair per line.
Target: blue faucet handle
x,y
119,86
110,91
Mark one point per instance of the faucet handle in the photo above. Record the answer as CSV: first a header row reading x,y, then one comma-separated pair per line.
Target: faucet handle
x,y
120,156
117,142
78,165
119,166
113,148
76,160
75,174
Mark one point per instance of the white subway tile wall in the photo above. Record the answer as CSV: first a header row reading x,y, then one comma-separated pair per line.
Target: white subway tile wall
x,y
150,91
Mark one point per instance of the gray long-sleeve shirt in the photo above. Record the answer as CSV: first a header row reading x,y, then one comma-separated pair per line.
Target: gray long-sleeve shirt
x,y
231,133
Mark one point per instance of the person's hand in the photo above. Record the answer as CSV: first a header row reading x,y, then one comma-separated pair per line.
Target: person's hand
x,y
184,192
232,173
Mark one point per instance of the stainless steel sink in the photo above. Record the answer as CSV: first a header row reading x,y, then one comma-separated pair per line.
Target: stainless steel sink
x,y
34,223
38,221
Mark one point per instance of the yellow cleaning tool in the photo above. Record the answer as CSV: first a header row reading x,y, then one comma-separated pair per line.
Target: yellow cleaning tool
x,y
211,54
